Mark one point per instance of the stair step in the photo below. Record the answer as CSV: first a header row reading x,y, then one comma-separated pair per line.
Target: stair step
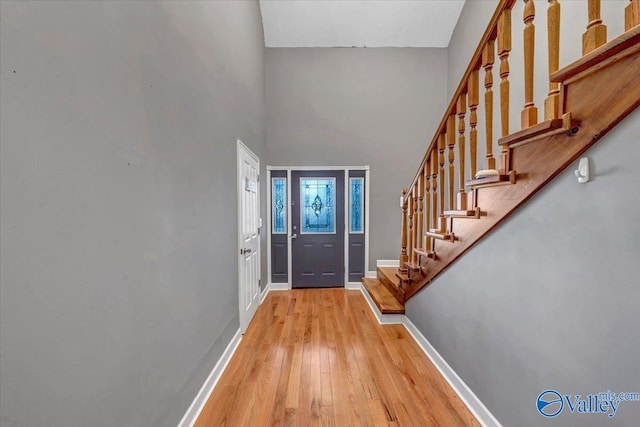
x,y
541,130
426,253
472,213
437,234
413,266
384,300
387,276
492,181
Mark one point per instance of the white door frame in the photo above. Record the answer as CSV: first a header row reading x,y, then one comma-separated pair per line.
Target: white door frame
x,y
244,321
346,170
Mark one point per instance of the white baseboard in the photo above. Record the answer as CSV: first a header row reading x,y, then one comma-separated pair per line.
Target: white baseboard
x,y
387,263
353,285
471,401
190,417
273,287
372,274
279,287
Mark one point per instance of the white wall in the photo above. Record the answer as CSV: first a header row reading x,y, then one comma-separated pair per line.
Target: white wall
x,y
119,126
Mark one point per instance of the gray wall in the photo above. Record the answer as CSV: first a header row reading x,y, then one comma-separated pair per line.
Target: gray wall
x,y
119,124
357,106
549,299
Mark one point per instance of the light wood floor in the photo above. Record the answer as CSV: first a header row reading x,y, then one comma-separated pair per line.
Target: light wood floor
x,y
318,357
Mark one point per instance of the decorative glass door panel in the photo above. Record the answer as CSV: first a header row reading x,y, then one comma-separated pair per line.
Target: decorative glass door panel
x,y
317,228
279,205
356,205
318,205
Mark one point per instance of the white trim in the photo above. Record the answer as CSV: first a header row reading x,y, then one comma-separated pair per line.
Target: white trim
x,y
387,263
274,287
345,243
264,293
279,287
353,285
270,228
372,274
318,168
471,401
190,417
289,234
367,203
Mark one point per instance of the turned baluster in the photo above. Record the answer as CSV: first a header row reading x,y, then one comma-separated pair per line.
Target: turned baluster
x,y
410,232
403,235
461,109
415,224
596,34
428,204
441,147
529,115
632,15
451,142
419,231
473,120
434,194
488,56
504,48
552,103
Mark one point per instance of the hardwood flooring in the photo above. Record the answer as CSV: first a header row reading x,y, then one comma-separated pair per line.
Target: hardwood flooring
x,y
318,357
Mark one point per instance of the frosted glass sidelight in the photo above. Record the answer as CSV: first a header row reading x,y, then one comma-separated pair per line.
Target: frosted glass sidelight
x,y
356,205
279,205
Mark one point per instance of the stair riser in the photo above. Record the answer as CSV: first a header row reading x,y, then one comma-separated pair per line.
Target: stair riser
x,y
388,283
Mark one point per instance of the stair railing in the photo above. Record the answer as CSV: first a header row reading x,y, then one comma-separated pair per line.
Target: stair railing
x,y
431,202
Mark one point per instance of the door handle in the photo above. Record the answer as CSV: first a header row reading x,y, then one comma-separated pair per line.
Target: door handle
x,y
245,251
293,236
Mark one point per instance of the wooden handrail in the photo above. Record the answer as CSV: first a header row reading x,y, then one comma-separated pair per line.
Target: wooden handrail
x,y
440,197
476,61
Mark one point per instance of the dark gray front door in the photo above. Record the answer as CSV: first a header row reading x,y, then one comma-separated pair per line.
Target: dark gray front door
x,y
317,215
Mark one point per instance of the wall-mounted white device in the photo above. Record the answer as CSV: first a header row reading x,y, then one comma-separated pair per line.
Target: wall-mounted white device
x,y
583,170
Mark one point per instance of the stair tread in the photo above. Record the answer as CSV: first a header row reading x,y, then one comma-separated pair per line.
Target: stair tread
x,y
384,300
413,266
492,181
468,213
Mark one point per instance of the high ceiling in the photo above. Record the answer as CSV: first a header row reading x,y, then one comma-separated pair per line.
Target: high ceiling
x,y
359,23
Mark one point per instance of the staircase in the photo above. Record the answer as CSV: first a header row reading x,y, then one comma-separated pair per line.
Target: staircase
x,y
451,203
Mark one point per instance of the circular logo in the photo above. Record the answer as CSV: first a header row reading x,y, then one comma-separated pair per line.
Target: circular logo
x,y
549,403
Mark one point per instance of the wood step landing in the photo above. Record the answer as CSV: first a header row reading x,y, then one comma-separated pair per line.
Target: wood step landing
x,y
384,300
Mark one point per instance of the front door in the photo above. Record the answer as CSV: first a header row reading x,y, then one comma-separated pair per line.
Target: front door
x,y
317,221
248,234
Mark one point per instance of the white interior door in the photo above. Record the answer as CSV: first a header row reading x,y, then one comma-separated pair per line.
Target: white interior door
x,y
248,234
